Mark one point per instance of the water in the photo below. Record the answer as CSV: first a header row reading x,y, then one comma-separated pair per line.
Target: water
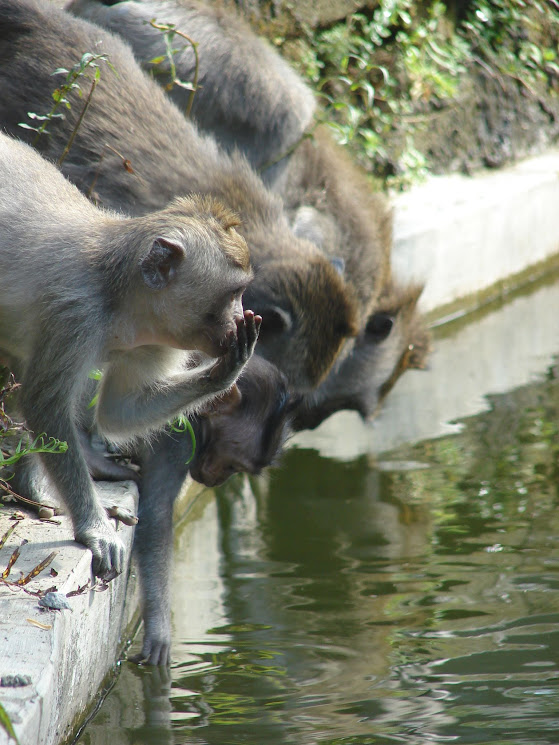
x,y
403,596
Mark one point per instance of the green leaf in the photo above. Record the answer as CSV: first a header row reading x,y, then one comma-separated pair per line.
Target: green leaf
x,y
181,84
7,725
157,60
180,425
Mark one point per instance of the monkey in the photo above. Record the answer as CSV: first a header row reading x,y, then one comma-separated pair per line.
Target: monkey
x,y
262,108
394,339
327,197
242,433
330,202
308,310
82,288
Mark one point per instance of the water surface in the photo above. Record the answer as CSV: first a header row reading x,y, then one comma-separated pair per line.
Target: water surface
x,y
406,594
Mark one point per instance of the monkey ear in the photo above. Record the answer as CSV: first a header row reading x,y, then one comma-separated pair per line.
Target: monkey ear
x,y
160,265
275,320
379,326
226,403
339,265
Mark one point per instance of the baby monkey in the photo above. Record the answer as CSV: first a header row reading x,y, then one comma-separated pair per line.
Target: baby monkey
x,y
82,288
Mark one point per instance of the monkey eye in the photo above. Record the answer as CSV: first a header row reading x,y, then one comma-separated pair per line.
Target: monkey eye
x,y
275,320
379,326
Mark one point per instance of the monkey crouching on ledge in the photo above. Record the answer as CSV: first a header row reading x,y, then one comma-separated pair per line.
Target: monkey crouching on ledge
x,y
82,288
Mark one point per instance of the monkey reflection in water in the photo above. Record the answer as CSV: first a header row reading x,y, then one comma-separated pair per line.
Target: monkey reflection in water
x,y
82,288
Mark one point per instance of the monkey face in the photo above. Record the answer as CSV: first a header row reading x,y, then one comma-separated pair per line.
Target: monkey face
x,y
307,315
194,290
244,431
390,344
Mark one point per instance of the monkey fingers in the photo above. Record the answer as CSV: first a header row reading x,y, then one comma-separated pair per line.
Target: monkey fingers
x,y
154,652
106,547
252,329
239,350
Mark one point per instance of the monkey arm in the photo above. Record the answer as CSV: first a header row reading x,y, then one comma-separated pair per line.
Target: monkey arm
x,y
47,395
163,469
126,408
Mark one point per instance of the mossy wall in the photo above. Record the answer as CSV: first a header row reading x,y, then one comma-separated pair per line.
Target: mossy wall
x,y
418,86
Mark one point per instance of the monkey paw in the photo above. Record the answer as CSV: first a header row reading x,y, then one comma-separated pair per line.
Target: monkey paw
x,y
154,652
106,547
239,349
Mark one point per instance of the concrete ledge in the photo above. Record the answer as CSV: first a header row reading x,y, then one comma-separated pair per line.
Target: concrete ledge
x,y
464,237
65,654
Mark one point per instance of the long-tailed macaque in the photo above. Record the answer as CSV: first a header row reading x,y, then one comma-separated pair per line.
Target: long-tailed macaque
x,y
330,202
243,433
328,198
308,311
262,106
82,288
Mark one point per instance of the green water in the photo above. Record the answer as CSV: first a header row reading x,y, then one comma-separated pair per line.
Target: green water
x,y
407,598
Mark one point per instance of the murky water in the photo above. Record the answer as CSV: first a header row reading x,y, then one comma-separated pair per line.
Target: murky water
x,y
408,597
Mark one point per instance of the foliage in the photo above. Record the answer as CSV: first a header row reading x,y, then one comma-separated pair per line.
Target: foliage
x,y
180,425
10,430
60,97
7,725
169,32
383,73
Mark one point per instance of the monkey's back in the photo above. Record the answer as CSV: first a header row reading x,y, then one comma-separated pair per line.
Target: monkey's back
x,y
262,106
42,216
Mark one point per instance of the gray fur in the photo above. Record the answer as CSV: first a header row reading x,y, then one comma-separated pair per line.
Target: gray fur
x,y
169,156
73,298
243,436
262,106
328,198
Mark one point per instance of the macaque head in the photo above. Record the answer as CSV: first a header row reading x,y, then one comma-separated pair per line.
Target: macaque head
x,y
192,275
394,340
244,430
308,312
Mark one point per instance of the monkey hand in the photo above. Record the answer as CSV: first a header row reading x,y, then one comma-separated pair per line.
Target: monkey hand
x,y
156,648
239,348
105,545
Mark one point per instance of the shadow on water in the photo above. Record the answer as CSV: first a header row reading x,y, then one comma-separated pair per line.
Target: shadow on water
x,y
408,597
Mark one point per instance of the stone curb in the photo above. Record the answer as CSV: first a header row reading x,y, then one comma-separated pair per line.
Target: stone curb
x,y
62,657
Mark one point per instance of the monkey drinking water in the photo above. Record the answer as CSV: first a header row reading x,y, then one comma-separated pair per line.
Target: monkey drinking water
x,y
243,433
82,288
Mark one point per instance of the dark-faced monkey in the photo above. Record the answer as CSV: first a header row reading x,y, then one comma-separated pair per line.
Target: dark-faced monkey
x,y
395,339
81,288
242,433
308,311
